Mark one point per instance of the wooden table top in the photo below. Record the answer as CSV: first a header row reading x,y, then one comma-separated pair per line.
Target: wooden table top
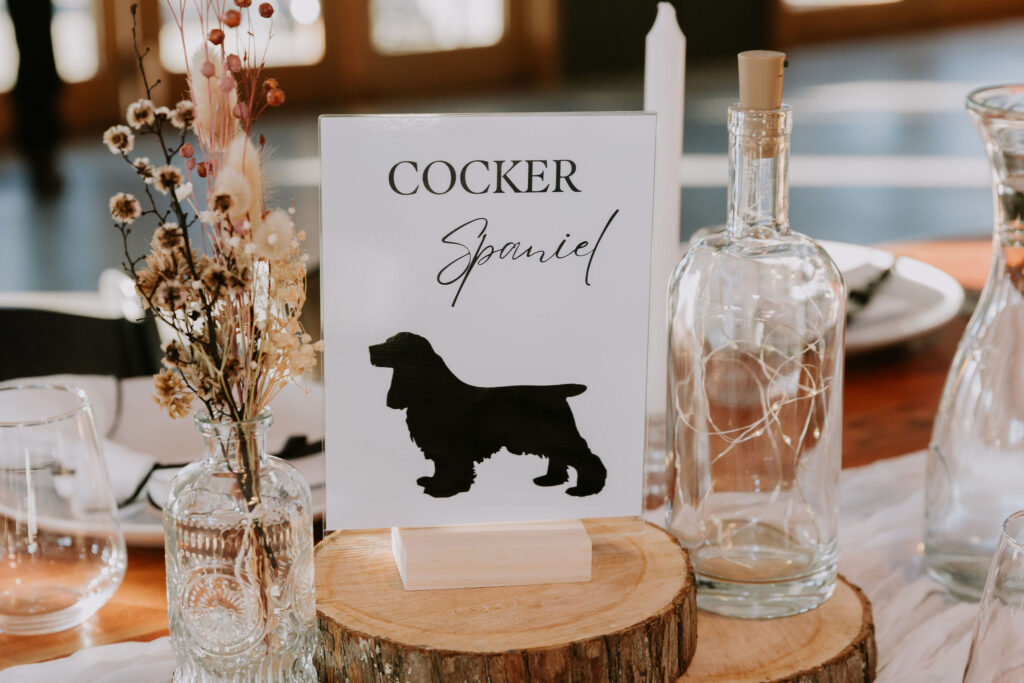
x,y
877,424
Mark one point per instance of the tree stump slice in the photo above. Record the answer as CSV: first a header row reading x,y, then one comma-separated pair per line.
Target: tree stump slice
x,y
834,643
636,620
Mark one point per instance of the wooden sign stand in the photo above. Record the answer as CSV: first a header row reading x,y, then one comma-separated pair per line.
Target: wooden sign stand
x,y
482,555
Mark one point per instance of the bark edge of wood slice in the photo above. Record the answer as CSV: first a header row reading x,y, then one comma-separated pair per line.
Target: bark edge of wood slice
x,y
635,620
834,643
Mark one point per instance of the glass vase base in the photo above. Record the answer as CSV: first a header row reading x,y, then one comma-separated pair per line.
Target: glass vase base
x,y
764,600
962,574
283,670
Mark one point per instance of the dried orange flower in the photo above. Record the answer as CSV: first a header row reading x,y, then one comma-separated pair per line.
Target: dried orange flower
x,y
275,98
172,394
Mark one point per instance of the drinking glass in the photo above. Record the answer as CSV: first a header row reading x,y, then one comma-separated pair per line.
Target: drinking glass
x,y
62,554
997,650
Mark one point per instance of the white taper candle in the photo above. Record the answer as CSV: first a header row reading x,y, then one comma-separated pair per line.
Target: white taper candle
x,y
664,68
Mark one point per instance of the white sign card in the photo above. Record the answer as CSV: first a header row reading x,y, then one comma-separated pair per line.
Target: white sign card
x,y
485,283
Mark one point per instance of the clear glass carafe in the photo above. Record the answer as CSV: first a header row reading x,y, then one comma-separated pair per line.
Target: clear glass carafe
x,y
240,566
757,323
976,458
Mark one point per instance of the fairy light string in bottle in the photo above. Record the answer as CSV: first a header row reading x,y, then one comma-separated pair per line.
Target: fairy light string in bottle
x,y
756,332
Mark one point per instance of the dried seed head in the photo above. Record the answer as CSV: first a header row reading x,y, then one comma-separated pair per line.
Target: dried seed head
x,y
208,69
226,83
233,63
266,10
232,18
269,84
187,150
243,3
216,36
201,169
275,97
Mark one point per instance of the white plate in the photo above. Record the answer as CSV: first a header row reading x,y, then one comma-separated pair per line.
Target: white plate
x,y
915,300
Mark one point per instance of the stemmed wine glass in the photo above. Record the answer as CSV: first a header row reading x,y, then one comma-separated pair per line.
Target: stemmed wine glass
x,y
997,649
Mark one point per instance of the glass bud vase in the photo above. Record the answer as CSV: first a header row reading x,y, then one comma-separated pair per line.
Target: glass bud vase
x,y
976,458
756,333
240,562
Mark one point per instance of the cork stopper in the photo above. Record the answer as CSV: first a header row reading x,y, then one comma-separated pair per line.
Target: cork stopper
x,y
761,79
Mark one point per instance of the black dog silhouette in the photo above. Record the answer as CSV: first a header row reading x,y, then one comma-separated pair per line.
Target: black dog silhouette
x,y
457,425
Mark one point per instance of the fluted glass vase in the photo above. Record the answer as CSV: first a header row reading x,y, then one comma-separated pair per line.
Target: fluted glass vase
x,y
976,459
239,557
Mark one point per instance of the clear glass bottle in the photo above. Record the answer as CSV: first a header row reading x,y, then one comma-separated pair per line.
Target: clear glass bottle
x,y
240,597
756,335
976,457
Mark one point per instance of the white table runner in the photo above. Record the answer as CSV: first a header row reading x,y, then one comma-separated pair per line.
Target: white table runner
x,y
923,634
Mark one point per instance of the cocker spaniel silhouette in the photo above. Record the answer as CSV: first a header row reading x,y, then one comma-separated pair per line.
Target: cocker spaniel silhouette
x,y
458,425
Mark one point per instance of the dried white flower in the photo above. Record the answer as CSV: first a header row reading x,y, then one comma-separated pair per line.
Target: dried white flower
x,y
167,178
183,191
183,115
169,294
168,237
162,113
144,168
141,113
209,217
124,207
232,196
119,139
273,237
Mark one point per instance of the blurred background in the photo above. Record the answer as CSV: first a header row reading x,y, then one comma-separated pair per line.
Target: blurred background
x,y
882,147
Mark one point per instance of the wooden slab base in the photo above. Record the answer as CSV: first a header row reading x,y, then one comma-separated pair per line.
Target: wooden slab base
x,y
634,621
832,644
482,555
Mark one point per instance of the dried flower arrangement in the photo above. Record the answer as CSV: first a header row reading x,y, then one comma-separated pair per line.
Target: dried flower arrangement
x,y
225,271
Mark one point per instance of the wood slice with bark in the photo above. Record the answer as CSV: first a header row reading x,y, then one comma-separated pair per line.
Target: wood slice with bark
x,y
634,621
834,643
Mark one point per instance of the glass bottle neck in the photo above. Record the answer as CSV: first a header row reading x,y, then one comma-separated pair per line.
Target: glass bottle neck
x,y
758,171
235,445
